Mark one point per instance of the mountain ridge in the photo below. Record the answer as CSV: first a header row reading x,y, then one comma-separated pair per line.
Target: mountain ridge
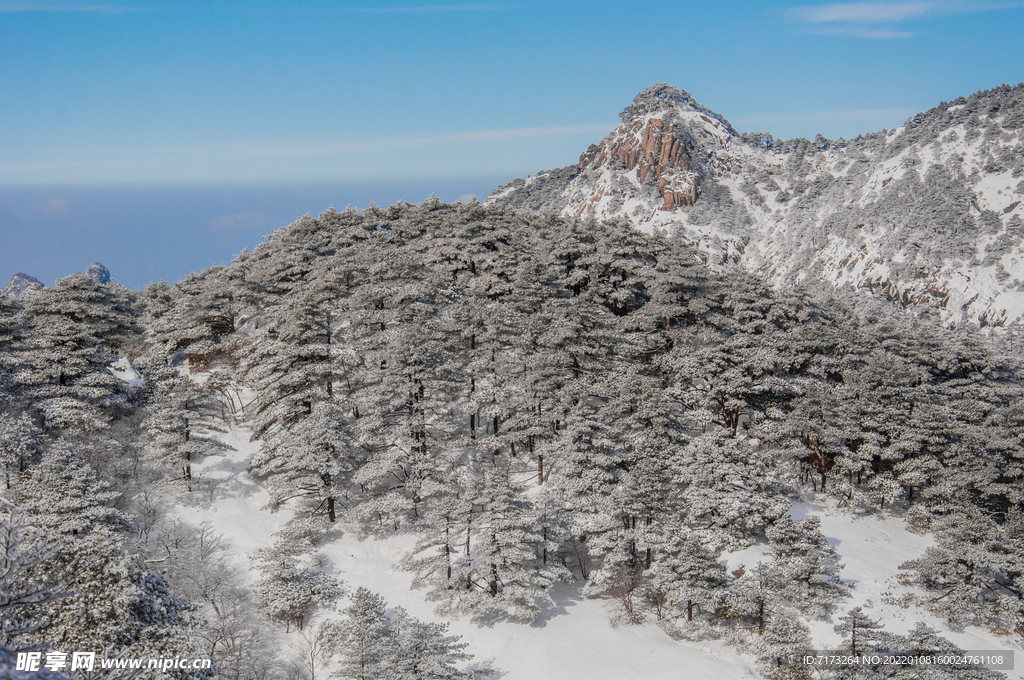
x,y
929,213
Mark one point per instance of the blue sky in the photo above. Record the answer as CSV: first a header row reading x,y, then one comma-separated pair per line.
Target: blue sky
x,y
129,126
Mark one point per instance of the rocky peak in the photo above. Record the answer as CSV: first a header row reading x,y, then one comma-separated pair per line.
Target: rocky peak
x,y
930,213
664,98
98,272
18,284
666,140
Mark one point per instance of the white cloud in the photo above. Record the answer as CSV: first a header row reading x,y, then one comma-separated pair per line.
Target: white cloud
x,y
861,12
880,20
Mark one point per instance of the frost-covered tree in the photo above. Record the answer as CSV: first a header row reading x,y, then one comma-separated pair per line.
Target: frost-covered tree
x,y
23,554
313,463
290,589
182,423
364,639
859,631
781,647
113,604
71,333
730,485
689,575
973,571
424,651
373,643
201,569
808,563
195,315
20,444
63,495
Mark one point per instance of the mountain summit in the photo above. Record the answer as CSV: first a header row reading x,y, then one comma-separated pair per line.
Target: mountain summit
x,y
929,213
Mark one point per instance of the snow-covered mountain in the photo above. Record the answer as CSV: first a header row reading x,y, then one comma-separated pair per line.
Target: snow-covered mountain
x,y
928,214
18,284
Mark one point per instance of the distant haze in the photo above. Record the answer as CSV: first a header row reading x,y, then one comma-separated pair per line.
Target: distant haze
x,y
151,234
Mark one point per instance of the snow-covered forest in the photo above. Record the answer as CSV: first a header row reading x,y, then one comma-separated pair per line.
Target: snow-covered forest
x,y
541,412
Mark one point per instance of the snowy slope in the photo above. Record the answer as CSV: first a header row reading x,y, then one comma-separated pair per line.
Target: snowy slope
x,y
931,213
575,638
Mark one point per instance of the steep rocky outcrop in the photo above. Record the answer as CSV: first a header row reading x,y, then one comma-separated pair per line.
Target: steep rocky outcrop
x,y
927,214
19,283
98,272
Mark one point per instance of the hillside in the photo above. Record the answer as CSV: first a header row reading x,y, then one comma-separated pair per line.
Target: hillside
x,y
582,449
929,213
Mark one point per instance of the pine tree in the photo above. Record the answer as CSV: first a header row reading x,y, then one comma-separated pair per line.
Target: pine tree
x,y
808,564
19,445
313,463
63,495
71,331
690,575
289,590
23,554
730,485
195,316
423,651
364,639
859,630
181,420
780,649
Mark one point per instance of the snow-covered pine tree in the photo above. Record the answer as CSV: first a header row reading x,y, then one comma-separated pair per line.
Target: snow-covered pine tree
x,y
972,571
500,570
424,651
753,602
730,485
20,444
22,586
181,421
438,556
860,632
114,606
366,643
808,563
781,647
288,360
71,333
290,589
690,576
8,334
63,495
195,315
641,505
313,463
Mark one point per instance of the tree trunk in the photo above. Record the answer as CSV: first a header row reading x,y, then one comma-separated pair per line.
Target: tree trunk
x,y
540,470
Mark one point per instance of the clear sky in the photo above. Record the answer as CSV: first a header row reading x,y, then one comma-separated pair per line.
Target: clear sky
x,y
133,130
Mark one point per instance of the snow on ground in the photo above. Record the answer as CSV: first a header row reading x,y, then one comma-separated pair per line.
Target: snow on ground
x,y
872,548
125,372
573,639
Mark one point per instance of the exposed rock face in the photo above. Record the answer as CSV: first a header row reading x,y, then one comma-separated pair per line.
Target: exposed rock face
x,y
931,213
99,273
19,283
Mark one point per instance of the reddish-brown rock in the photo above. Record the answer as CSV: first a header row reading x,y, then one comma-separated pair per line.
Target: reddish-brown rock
x,y
650,147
